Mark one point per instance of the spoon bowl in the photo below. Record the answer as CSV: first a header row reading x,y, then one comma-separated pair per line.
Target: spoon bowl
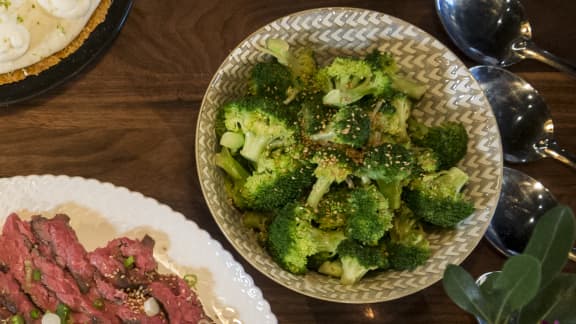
x,y
526,127
494,32
523,200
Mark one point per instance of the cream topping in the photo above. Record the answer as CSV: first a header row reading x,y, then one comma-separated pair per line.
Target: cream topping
x,y
14,38
31,30
67,9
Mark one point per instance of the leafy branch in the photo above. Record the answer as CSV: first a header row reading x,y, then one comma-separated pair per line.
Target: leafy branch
x,y
530,288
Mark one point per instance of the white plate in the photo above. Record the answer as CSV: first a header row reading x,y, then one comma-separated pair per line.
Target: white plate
x,y
101,211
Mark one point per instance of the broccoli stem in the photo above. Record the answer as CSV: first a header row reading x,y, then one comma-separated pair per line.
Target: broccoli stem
x,y
319,189
228,163
232,140
331,268
354,271
392,191
253,146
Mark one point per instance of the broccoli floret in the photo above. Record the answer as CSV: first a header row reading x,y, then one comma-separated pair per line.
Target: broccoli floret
x,y
292,238
426,160
357,260
389,121
449,141
278,180
300,62
332,166
346,80
385,62
387,162
258,222
369,217
313,115
408,246
348,126
263,124
391,165
333,209
437,198
273,80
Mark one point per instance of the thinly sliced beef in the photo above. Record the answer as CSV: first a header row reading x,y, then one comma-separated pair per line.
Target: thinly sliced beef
x,y
16,252
57,234
14,299
177,299
55,285
43,265
110,262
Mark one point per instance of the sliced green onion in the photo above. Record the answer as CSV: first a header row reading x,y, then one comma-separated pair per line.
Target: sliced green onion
x,y
63,311
17,319
36,275
35,314
191,280
98,303
129,262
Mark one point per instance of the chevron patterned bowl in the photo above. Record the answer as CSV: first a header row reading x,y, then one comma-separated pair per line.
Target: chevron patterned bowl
x,y
452,95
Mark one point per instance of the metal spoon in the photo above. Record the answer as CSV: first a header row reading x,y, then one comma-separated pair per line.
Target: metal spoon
x,y
523,200
494,32
526,128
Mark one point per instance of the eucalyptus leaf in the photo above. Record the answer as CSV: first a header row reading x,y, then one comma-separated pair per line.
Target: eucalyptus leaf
x,y
518,283
555,302
551,241
464,292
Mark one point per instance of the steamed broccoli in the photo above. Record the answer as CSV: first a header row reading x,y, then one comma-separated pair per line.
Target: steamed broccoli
x,y
389,121
449,141
357,260
292,238
262,123
300,62
257,221
390,165
427,160
408,246
313,115
437,198
346,80
385,62
369,217
348,126
332,210
332,166
278,180
273,80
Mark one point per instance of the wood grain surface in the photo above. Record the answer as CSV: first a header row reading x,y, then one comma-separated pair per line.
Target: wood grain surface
x,y
130,119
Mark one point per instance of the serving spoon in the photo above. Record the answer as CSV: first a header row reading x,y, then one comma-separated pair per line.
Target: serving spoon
x,y
523,200
525,124
494,32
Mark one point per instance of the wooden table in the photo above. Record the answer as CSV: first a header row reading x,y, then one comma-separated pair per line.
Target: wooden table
x,y
130,119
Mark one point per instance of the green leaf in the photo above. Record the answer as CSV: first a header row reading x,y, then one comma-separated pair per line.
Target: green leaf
x,y
552,240
462,289
555,302
517,284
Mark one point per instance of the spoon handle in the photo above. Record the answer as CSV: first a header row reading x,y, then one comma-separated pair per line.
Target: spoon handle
x,y
553,150
532,51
